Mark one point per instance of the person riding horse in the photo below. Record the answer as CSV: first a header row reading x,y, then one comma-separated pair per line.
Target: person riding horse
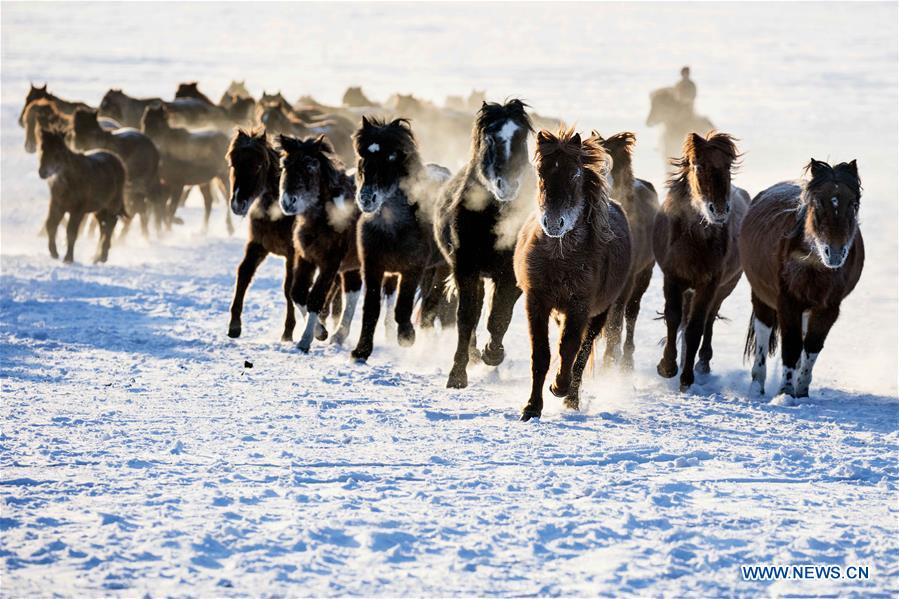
x,y
685,89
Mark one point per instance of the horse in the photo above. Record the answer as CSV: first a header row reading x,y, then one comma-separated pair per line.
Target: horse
x,y
640,202
803,253
192,90
339,132
677,119
572,259
129,111
40,93
140,156
43,113
695,245
81,184
236,90
476,226
255,176
188,158
354,97
315,188
395,192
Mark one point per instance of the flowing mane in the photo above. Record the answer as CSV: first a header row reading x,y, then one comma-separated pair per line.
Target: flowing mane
x,y
318,148
492,113
620,148
595,162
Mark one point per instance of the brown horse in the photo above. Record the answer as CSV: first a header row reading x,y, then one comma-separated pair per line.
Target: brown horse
x,y
255,173
803,253
695,244
44,114
572,259
338,131
236,90
41,93
640,202
81,184
315,188
192,90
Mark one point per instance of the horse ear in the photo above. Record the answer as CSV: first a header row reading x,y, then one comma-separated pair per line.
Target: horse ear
x,y
366,124
576,139
43,87
544,136
853,168
817,167
598,137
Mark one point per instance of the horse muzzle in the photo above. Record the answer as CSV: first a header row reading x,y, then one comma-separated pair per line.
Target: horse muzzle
x,y
370,200
240,206
833,256
505,191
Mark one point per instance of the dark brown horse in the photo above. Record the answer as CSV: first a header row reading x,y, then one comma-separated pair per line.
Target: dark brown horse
x,y
143,193
572,259
255,175
396,193
236,90
802,251
695,244
338,131
473,214
127,110
640,202
43,114
81,184
316,189
40,93
188,158
192,90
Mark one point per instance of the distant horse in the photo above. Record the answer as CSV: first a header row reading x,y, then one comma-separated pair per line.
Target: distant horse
x,y
192,90
182,112
40,93
255,175
81,184
695,244
43,114
640,202
339,132
802,251
572,259
316,189
188,158
475,228
143,193
236,90
125,109
354,97
677,119
396,193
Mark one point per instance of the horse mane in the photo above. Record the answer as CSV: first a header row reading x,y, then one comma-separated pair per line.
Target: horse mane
x,y
52,135
320,149
595,163
85,119
396,134
719,148
620,148
253,139
822,173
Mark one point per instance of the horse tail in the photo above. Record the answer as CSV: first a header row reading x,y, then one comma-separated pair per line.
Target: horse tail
x,y
749,347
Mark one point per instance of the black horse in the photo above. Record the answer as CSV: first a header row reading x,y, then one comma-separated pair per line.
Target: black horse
x,y
477,224
396,194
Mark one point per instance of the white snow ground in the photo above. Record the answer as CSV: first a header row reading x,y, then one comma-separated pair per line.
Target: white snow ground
x,y
138,455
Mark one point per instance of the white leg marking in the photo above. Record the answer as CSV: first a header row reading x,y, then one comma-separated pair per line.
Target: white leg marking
x,y
805,374
306,340
759,367
805,316
349,309
787,380
389,317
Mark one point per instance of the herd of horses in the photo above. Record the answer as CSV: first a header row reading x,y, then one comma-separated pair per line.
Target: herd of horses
x,y
573,229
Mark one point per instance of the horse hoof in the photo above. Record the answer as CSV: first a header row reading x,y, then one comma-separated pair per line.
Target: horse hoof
x,y
337,339
702,367
572,403
405,335
493,356
303,347
801,394
68,260
667,369
474,355
458,379
684,387
234,331
321,333
627,364
559,389
529,412
285,338
360,355
756,388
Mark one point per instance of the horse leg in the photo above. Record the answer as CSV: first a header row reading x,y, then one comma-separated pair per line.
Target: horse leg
x,y
431,290
538,328
107,222
54,216
764,319
391,282
819,324
334,303
254,254
206,190
174,202
674,298
405,333
373,274
789,318
467,285
317,297
701,304
569,344
72,227
290,319
505,294
594,327
631,311
352,284
612,331
703,365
